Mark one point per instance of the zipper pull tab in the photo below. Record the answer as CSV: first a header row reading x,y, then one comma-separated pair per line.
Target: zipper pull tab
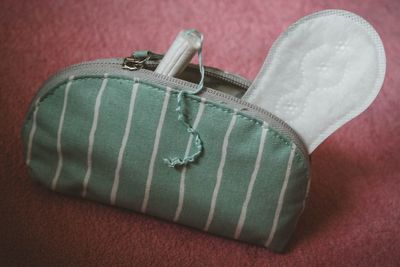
x,y
139,59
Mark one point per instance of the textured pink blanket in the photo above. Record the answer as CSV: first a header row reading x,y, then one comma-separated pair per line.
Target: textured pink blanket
x,y
352,217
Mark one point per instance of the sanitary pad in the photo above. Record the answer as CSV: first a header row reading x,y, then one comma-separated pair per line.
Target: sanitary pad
x,y
323,71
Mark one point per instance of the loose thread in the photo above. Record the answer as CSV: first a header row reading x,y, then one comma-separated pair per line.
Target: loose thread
x,y
176,161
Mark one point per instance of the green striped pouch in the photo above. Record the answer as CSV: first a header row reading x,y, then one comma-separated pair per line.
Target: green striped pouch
x,y
100,131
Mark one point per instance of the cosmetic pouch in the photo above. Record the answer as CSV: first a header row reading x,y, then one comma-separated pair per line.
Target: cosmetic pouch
x,y
104,130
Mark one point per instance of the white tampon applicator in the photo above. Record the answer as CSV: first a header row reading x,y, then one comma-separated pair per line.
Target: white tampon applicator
x,y
180,53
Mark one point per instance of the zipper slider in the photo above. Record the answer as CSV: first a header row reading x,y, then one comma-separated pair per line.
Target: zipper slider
x,y
138,60
133,63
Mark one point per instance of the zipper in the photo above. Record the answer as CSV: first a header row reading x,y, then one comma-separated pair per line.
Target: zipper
x,y
132,67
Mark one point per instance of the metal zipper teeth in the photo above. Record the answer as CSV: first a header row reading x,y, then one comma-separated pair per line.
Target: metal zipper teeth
x,y
149,75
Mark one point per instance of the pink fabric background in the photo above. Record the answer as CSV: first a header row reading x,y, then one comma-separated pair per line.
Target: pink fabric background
x,y
352,217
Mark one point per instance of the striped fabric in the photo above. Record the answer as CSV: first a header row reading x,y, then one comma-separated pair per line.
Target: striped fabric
x,y
104,138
